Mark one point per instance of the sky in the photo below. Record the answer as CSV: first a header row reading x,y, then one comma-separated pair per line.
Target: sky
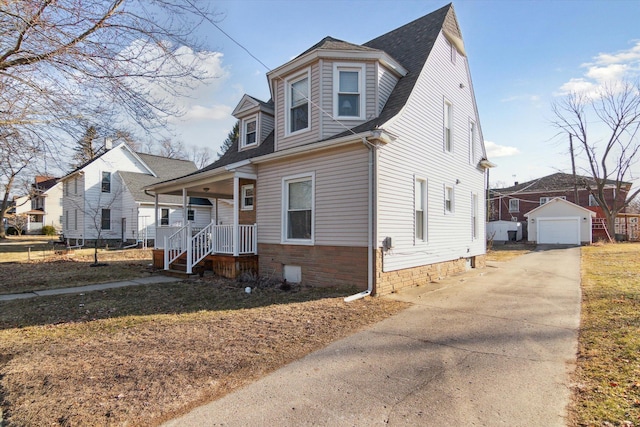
x,y
523,56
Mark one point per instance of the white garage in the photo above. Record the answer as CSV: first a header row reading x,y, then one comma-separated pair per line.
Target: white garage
x,y
559,222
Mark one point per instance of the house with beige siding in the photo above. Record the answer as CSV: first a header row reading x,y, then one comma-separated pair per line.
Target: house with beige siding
x,y
366,167
105,199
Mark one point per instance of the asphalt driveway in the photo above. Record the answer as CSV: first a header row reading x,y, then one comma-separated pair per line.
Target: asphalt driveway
x,y
493,347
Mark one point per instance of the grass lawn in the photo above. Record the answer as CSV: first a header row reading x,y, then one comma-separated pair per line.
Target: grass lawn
x,y
145,354
505,252
607,377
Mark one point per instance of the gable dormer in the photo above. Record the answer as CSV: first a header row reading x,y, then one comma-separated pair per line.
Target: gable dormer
x,y
330,88
256,121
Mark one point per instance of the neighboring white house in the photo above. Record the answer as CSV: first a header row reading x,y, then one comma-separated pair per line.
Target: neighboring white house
x,y
560,222
105,198
366,167
42,207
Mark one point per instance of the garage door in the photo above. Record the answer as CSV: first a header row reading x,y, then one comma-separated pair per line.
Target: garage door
x,y
559,231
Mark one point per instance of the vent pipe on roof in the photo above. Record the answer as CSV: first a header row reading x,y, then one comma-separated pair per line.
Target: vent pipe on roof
x,y
515,183
108,144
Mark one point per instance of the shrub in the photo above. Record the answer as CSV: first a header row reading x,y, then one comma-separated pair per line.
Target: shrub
x,y
49,230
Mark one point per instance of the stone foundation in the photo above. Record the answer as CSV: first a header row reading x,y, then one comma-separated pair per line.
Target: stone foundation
x,y
320,265
393,281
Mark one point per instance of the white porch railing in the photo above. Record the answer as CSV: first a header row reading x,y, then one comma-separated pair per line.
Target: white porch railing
x,y
212,239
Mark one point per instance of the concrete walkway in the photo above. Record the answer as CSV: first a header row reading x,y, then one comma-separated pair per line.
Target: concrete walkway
x,y
493,347
89,288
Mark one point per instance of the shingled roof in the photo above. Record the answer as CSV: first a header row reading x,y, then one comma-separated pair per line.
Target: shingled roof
x,y
410,45
556,182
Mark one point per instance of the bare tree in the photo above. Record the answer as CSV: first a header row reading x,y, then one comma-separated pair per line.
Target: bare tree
x,y
66,64
201,156
166,147
19,222
615,113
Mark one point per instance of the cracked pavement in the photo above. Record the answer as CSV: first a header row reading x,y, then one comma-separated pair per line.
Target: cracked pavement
x,y
491,347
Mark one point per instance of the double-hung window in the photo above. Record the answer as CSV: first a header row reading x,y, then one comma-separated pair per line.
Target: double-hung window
x,y
514,205
420,198
106,182
298,202
298,103
544,200
191,215
592,200
472,142
106,219
448,126
164,216
348,91
250,133
247,197
448,200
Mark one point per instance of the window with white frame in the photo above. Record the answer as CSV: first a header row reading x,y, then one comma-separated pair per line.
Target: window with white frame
x,y
106,219
448,199
448,126
250,132
164,216
298,103
191,215
544,200
66,220
420,198
106,182
348,91
593,201
298,215
247,197
514,205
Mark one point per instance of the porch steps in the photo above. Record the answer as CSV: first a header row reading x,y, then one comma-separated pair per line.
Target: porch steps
x,y
179,274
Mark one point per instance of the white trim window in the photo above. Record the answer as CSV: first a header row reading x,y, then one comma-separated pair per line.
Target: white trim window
x,y
105,219
420,218
298,111
106,182
348,98
593,201
449,199
247,197
191,215
544,200
164,216
249,132
514,205
298,209
448,126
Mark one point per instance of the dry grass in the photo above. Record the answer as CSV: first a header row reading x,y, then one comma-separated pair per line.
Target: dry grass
x,y
509,251
141,355
607,378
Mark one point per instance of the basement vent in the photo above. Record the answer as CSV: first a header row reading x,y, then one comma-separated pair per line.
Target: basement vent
x,y
293,273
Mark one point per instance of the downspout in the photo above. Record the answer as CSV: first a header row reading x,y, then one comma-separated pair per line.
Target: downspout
x,y
370,224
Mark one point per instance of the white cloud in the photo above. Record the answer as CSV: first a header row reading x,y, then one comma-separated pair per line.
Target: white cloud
x,y
524,97
494,150
197,112
606,69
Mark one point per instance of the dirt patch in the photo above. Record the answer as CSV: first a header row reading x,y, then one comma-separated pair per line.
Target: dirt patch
x,y
141,355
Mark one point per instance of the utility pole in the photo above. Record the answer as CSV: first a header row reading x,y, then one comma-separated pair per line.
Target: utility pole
x,y
573,166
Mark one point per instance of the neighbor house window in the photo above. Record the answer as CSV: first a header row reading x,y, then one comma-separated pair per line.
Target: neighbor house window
x,y
420,198
448,126
593,201
191,215
250,133
348,91
75,185
164,216
66,220
448,199
106,219
106,182
298,103
544,200
298,208
247,197
514,205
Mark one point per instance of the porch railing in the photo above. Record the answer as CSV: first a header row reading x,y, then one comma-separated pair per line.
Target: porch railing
x,y
212,239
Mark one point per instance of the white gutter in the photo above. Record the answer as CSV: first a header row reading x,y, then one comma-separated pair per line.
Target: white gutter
x,y
371,235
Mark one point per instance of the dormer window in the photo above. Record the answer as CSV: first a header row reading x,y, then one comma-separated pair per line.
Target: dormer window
x,y
298,103
348,96
250,131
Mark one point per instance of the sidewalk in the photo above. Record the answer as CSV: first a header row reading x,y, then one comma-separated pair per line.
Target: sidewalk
x,y
89,288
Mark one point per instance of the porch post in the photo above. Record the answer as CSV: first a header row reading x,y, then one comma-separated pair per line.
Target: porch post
x,y
236,213
184,207
156,244
189,249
